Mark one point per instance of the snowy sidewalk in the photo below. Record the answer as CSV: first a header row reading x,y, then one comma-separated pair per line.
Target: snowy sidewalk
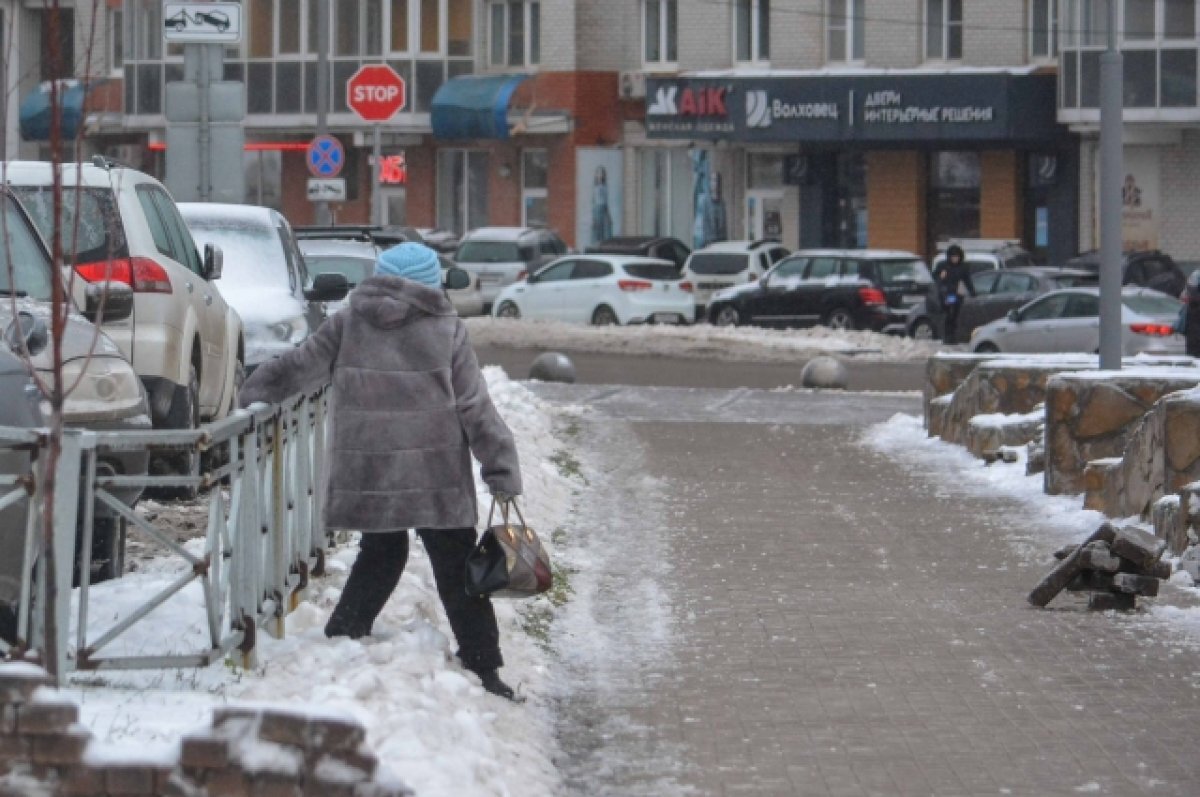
x,y
832,617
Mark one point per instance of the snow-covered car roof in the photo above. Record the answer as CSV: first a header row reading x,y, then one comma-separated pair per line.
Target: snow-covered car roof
x,y
334,246
86,174
498,234
216,211
860,254
737,246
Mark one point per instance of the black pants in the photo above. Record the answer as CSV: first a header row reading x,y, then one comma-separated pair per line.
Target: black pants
x,y
950,322
376,571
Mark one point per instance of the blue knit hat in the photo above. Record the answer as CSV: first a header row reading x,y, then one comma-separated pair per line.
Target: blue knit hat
x,y
412,261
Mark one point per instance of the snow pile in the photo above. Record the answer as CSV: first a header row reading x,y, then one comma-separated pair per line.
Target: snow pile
x,y
701,341
428,720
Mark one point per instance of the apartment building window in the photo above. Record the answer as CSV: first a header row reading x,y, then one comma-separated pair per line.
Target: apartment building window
x,y
57,39
845,31
116,39
535,183
1043,29
516,33
943,30
752,30
660,42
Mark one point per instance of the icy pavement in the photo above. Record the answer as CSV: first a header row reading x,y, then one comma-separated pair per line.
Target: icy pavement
x,y
699,341
842,618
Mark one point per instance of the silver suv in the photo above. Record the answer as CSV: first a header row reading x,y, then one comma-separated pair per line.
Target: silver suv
x,y
728,263
501,256
184,341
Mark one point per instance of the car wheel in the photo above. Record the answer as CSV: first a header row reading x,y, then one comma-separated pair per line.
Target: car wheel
x,y
987,347
508,310
839,318
605,317
924,329
727,316
185,415
108,549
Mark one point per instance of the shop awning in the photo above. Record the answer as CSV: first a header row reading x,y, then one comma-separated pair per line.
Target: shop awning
x,y
474,106
36,110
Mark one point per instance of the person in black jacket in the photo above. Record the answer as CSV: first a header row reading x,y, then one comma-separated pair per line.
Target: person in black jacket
x,y
949,275
1191,317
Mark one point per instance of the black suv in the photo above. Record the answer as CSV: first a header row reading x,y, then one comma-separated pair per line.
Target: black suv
x,y
842,289
1146,269
671,249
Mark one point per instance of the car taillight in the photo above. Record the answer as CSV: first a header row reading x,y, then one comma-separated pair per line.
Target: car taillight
x,y
522,275
751,278
872,296
686,286
141,274
635,285
1152,330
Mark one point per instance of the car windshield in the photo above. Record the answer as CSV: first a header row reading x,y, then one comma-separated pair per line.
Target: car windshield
x,y
97,237
653,271
1152,304
488,252
24,265
253,251
718,263
901,272
354,269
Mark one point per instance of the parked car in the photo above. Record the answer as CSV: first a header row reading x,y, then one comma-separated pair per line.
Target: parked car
x,y
1069,321
265,277
840,288
183,339
728,263
1152,269
439,240
356,260
500,256
383,236
601,290
671,249
107,394
987,254
997,293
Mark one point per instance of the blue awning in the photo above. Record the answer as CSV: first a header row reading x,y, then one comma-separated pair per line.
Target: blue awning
x,y
35,110
474,106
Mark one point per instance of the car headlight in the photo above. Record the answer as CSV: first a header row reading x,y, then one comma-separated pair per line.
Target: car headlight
x,y
102,386
975,332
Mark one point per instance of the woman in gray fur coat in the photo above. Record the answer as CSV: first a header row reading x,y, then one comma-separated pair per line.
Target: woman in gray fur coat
x,y
410,407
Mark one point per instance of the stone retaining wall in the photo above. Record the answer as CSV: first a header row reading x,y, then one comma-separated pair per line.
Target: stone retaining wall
x,y
248,752
1091,415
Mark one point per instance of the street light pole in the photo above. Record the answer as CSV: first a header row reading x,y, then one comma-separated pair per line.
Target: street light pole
x,y
324,216
1111,168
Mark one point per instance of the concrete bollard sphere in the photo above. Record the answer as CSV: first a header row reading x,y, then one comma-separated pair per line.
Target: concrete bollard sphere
x,y
553,367
825,372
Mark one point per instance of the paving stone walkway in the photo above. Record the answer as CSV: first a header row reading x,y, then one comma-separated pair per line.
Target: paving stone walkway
x,y
837,628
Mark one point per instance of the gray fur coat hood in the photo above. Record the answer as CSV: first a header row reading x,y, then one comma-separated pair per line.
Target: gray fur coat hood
x,y
409,408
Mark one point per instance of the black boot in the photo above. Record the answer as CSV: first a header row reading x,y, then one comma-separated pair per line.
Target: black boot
x,y
492,683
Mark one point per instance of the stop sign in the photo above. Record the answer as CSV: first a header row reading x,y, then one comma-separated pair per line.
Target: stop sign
x,y
375,93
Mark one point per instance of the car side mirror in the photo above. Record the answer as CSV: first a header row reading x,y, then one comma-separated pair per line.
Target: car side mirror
x,y
214,262
106,302
329,287
27,333
456,279
1014,316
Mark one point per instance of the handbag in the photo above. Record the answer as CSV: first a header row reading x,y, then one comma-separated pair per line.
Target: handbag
x,y
510,560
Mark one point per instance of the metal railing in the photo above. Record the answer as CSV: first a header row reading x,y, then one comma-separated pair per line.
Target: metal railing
x,y
260,473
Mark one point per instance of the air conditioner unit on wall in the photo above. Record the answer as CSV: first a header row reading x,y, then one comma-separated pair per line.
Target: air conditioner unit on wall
x,y
633,85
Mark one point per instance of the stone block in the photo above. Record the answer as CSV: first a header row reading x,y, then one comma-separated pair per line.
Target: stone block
x,y
1160,569
1169,523
1065,551
18,682
1105,410
284,728
203,752
1111,601
1133,584
82,781
1183,432
40,719
130,780
227,783
1098,556
61,749
382,790
14,749
269,784
335,736
1140,547
1066,570
8,718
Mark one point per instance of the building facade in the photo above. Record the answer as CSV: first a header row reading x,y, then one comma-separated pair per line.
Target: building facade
x,y
1158,39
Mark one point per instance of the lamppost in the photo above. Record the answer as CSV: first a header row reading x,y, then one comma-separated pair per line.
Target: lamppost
x,y
1111,168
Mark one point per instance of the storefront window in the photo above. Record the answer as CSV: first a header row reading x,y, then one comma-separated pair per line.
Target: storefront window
x,y
666,204
845,33
955,182
264,183
535,167
462,189
852,200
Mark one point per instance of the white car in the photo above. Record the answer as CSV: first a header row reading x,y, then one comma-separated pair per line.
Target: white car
x,y
500,256
184,341
1069,321
728,263
601,290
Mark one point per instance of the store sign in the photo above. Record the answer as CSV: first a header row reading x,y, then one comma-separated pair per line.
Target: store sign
x,y
999,107
393,170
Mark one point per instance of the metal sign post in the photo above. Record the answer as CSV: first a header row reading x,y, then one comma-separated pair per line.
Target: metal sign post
x,y
376,93
376,175
1111,168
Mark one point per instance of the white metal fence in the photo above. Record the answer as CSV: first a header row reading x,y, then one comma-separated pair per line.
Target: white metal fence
x,y
261,478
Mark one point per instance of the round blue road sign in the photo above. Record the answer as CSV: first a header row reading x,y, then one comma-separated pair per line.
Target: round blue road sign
x,y
326,156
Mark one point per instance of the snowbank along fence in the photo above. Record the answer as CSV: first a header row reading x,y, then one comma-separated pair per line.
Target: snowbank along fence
x,y
262,469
